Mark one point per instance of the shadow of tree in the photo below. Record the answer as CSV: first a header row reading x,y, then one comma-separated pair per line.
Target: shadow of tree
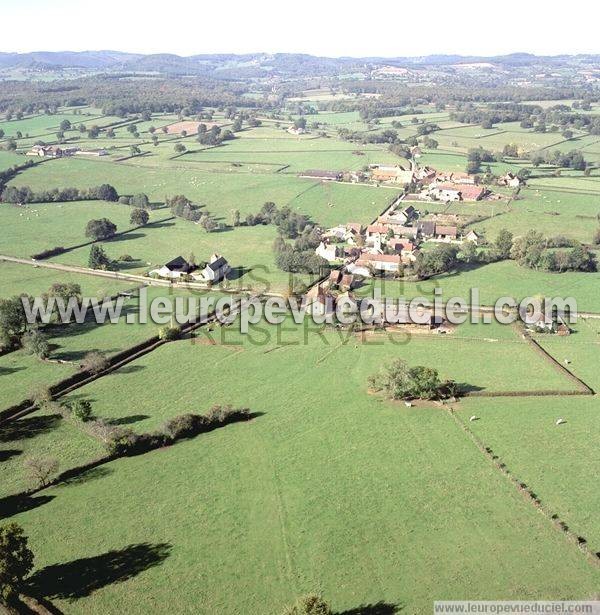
x,y
378,608
5,371
15,504
29,427
128,420
81,577
85,476
7,454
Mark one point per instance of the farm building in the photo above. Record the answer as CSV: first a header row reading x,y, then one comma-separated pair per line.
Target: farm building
x,y
510,180
457,192
395,175
52,151
382,263
326,176
445,233
473,236
329,251
174,269
91,152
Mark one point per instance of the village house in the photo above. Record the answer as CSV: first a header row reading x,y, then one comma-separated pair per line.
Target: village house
x,y
473,236
344,232
455,177
445,233
335,277
329,251
376,233
215,271
379,263
406,215
426,229
392,174
425,175
174,269
320,302
326,176
510,180
407,250
347,282
52,151
457,192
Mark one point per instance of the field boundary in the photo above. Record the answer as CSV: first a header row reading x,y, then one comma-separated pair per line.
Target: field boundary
x,y
530,496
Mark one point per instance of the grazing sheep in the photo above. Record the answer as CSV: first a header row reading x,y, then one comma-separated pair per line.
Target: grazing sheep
x,y
560,421
474,418
567,362
408,404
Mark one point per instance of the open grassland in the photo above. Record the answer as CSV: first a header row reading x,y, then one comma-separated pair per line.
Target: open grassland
x,y
21,374
9,159
580,351
550,212
41,226
18,279
41,434
248,250
503,279
559,463
338,492
464,357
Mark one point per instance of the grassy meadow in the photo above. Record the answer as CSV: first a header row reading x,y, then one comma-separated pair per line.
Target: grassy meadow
x,y
338,492
329,488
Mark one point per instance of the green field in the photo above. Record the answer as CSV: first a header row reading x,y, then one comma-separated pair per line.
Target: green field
x,y
377,505
341,493
496,280
558,462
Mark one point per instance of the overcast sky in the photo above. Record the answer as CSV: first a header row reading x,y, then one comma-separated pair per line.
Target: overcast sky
x,y
320,27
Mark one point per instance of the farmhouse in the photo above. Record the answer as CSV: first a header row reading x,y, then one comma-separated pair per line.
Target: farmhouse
x,y
91,152
404,247
445,233
510,180
425,175
382,263
51,151
329,251
326,176
426,229
473,237
406,215
457,192
215,271
395,175
344,232
455,178
543,323
174,269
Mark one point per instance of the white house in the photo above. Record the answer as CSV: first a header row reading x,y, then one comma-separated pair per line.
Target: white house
x,y
174,269
328,251
215,271
473,237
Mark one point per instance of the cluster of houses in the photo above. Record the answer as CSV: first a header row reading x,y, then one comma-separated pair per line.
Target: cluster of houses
x,y
425,183
179,268
390,243
55,151
334,296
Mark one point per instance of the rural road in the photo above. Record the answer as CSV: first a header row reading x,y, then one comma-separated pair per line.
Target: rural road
x,y
143,280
